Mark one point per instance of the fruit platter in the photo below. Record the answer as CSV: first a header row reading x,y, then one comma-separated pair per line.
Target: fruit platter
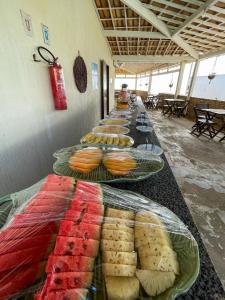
x,y
118,140
82,240
111,129
120,122
103,163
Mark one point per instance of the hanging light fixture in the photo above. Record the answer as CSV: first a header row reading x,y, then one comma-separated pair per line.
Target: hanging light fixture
x,y
212,75
171,82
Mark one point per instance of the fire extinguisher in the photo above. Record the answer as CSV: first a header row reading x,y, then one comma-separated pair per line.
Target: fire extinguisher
x,y
57,79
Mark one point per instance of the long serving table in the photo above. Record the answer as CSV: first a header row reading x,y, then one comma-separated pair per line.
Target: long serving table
x,y
163,189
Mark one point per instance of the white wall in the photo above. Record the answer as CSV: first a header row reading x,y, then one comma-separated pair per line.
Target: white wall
x,y
214,90
30,129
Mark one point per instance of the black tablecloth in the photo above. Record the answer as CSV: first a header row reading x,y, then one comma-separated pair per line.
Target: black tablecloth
x,y
163,188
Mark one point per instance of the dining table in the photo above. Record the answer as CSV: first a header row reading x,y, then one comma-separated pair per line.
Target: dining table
x,y
170,106
216,113
163,189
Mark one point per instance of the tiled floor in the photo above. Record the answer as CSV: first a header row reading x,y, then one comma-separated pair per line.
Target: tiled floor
x,y
199,167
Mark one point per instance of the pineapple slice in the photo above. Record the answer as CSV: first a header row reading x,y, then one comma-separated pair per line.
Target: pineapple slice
x,y
155,282
122,214
117,226
148,234
122,288
124,258
155,250
117,235
125,222
148,217
107,245
118,270
160,263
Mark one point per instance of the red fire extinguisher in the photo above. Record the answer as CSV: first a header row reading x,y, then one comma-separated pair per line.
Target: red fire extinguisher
x,y
56,77
58,86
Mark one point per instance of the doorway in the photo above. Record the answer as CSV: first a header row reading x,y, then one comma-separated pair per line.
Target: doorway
x,y
104,89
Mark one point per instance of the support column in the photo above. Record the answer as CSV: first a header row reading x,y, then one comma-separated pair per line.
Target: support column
x,y
193,79
150,83
180,79
136,83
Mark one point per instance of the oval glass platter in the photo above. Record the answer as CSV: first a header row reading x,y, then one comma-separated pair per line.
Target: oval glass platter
x,y
111,129
139,164
120,122
117,140
183,243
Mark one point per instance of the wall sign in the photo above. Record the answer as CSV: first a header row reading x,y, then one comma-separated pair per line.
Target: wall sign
x,y
27,23
45,34
94,73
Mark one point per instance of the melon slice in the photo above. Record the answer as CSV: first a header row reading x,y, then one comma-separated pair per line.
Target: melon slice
x,y
23,257
71,294
155,282
117,235
86,196
25,243
46,209
124,258
23,277
76,246
12,233
68,280
90,187
50,201
57,264
37,218
107,245
118,270
77,217
122,288
83,230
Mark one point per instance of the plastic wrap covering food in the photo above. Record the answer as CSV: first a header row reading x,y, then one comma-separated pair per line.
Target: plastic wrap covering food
x,y
104,163
118,140
112,129
109,244
121,122
28,236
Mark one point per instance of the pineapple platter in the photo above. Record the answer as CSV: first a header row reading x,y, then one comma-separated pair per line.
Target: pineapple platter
x,y
118,140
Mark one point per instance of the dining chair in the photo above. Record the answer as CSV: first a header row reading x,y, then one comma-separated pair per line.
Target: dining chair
x,y
181,108
167,108
203,125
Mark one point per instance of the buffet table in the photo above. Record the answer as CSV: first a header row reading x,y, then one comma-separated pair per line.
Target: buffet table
x,y
163,188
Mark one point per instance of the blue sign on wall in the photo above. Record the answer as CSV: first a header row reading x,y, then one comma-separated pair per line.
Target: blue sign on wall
x,y
45,34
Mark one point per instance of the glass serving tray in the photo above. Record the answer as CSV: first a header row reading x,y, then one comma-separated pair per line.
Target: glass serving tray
x,y
118,140
146,165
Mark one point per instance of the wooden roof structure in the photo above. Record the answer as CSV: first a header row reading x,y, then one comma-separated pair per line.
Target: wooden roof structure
x,y
162,31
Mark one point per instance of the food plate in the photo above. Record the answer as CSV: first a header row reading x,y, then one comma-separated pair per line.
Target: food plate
x,y
120,122
112,129
152,148
106,164
143,121
144,128
118,140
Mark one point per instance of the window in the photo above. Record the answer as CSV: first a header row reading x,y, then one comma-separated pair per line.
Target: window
x,y
142,83
164,83
129,81
188,72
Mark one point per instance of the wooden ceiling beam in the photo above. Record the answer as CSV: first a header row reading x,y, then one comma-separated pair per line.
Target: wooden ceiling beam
x,y
199,12
152,58
150,17
134,34
172,4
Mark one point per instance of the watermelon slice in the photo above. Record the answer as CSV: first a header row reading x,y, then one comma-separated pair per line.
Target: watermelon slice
x,y
76,246
25,243
89,207
49,201
12,233
45,209
91,187
68,280
83,230
37,218
58,264
71,294
22,257
22,277
58,183
85,196
77,217
52,195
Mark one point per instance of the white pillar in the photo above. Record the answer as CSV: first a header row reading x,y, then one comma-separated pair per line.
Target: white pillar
x,y
136,82
150,83
193,79
180,79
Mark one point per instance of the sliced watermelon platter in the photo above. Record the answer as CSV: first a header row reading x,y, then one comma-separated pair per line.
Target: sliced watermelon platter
x,y
55,233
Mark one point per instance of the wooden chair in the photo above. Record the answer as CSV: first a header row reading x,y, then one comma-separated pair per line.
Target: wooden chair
x,y
202,126
181,109
167,108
